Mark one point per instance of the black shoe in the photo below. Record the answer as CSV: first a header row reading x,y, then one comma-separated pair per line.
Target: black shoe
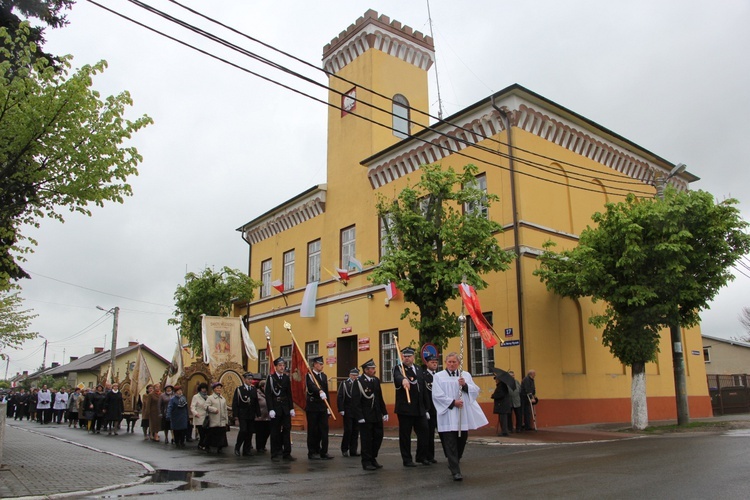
x,y
504,434
369,467
289,458
353,454
247,454
276,459
326,456
377,464
425,462
433,461
458,477
237,451
313,457
345,453
409,464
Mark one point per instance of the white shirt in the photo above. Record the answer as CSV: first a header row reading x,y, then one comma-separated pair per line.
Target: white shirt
x,y
445,389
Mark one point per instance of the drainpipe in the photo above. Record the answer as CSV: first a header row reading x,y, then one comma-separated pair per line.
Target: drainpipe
x,y
517,244
249,264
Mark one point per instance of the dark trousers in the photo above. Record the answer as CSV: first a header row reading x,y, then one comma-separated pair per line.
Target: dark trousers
x,y
44,415
21,412
57,416
528,420
201,436
503,422
179,437
517,415
245,435
350,441
281,436
317,433
407,423
431,428
262,431
371,434
453,447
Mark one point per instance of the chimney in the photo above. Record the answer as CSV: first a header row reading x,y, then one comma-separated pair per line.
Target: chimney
x,y
132,343
26,372
55,364
73,358
97,350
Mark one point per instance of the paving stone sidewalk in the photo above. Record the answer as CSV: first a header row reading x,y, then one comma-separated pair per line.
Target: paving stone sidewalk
x,y
35,465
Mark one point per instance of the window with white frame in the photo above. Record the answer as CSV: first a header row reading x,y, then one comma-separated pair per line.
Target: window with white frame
x,y
265,278
311,351
385,223
263,363
388,354
400,116
347,246
707,354
289,270
313,261
482,360
480,206
286,353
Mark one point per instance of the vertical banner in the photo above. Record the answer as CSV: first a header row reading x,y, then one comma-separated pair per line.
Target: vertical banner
x,y
298,376
222,340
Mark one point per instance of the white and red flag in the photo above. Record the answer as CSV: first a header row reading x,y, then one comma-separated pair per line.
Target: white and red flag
x,y
471,302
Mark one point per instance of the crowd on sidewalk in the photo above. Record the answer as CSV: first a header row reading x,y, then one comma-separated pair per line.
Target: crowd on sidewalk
x,y
427,401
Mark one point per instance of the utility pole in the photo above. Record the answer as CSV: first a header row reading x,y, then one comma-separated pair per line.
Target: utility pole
x,y
115,311
678,356
7,364
44,359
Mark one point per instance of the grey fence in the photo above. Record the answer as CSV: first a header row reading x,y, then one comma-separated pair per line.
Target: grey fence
x,y
729,393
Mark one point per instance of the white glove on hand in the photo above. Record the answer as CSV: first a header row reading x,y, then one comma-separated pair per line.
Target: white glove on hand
x,y
328,411
341,413
385,418
427,415
361,421
291,413
272,414
323,396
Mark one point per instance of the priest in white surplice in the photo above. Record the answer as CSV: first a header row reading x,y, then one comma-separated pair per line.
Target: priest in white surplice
x,y
454,394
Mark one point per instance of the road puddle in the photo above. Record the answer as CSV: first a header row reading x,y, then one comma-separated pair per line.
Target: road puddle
x,y
738,433
191,479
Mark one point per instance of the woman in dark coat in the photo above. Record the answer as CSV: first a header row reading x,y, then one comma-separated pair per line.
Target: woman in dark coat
x,y
177,414
113,409
154,417
502,407
95,403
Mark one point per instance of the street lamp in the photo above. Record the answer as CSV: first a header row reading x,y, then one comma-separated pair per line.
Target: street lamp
x,y
678,356
115,312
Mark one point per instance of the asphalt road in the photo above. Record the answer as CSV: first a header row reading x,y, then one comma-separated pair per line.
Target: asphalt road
x,y
696,465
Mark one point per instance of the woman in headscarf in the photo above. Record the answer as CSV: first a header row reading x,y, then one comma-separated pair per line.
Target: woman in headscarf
x,y
218,419
145,405
154,415
95,403
113,409
198,407
177,414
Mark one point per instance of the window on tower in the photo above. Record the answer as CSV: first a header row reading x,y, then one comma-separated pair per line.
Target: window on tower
x,y
400,116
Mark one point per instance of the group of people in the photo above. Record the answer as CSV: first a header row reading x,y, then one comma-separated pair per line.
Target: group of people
x,y
92,409
514,400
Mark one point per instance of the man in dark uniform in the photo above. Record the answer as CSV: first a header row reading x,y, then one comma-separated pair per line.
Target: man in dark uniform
x,y
351,427
528,397
429,372
370,411
22,404
245,408
412,414
281,411
316,385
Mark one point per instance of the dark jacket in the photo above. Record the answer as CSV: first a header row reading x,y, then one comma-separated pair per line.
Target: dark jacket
x,y
344,397
113,406
428,385
501,396
313,401
528,387
279,394
417,391
245,405
367,400
177,412
95,401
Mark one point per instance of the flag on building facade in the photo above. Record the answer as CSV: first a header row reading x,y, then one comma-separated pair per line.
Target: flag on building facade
x,y
298,374
471,302
278,285
390,290
343,274
356,264
307,308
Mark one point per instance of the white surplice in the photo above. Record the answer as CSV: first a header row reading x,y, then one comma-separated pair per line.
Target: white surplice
x,y
445,389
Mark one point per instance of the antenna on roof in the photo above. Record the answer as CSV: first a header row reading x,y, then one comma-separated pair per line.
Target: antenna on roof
x,y
437,79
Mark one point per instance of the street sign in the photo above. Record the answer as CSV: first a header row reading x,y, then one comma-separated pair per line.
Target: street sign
x,y
509,332
428,348
510,343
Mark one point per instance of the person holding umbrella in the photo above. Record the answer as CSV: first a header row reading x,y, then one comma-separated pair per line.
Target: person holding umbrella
x,y
503,404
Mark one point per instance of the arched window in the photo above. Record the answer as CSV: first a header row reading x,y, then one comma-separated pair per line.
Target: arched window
x,y
400,116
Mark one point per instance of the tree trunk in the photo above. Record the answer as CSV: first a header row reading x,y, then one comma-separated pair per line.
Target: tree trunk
x,y
638,403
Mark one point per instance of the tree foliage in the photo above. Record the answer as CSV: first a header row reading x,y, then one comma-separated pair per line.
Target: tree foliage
x,y
60,145
656,263
433,243
49,12
14,321
210,293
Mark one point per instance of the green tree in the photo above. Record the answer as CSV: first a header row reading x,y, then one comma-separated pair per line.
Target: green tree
x,y
655,263
210,293
49,12
14,321
437,232
60,145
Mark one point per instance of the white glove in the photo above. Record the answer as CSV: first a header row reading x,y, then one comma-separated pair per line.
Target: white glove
x,y
385,418
328,411
361,421
341,413
323,396
272,414
291,413
427,415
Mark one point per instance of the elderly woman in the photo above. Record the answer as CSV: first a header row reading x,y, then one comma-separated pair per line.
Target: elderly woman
x,y
154,415
145,402
163,403
218,416
114,406
177,414
94,405
198,407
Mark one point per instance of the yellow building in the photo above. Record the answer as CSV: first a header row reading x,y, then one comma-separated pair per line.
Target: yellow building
x,y
551,168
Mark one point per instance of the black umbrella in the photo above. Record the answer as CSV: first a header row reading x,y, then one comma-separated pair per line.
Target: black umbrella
x,y
504,377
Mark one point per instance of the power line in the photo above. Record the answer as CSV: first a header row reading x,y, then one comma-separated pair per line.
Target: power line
x,y
440,146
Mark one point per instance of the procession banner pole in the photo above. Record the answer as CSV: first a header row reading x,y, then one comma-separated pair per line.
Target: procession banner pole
x,y
462,326
270,349
309,370
403,372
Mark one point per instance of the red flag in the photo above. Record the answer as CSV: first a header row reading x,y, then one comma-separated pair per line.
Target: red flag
x,y
391,290
278,285
343,274
269,357
298,376
471,301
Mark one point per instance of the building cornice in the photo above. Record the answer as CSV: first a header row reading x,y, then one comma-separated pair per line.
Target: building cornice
x,y
482,121
378,32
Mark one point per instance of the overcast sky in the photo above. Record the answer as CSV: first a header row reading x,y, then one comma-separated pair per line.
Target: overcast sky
x,y
672,76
